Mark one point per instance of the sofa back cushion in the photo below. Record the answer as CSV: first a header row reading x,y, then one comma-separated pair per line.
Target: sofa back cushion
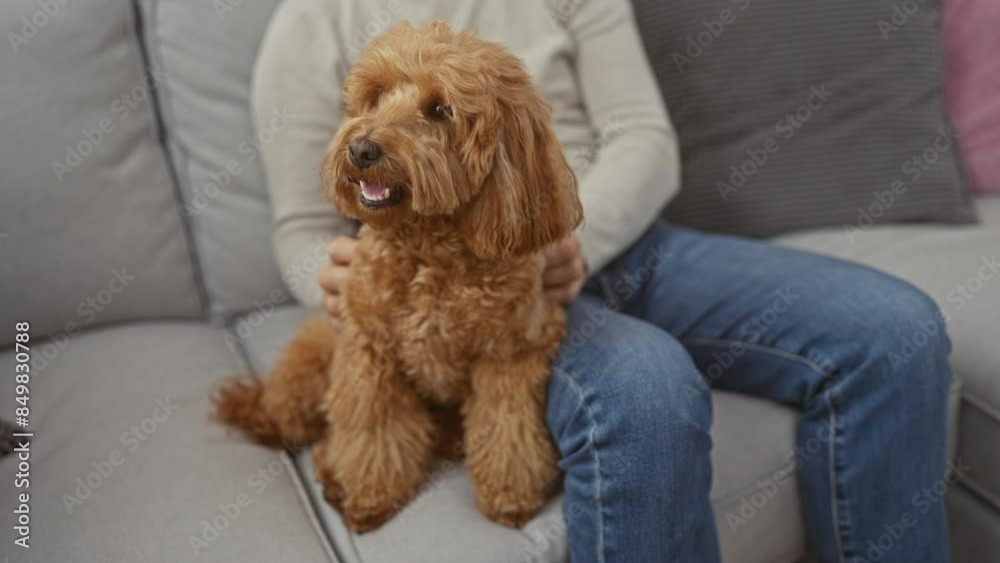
x,y
971,30
207,50
794,114
91,231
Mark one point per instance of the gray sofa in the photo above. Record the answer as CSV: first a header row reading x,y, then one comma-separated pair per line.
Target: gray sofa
x,y
135,239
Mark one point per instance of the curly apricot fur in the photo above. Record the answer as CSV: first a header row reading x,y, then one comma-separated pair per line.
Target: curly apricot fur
x,y
446,327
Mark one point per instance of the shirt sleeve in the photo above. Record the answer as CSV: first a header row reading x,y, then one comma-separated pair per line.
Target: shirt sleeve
x,y
300,71
637,166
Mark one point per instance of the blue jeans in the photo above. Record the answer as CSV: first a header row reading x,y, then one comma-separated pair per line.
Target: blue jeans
x,y
629,403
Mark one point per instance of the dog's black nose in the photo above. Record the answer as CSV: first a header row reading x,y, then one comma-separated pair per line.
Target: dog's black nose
x,y
364,152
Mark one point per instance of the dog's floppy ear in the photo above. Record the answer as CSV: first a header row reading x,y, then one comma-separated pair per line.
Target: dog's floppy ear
x,y
528,198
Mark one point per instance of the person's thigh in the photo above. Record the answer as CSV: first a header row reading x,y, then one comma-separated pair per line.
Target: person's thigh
x,y
863,354
634,452
737,304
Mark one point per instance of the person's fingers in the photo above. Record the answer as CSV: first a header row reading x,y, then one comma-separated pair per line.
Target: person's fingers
x,y
558,295
330,279
562,252
562,275
341,250
332,305
567,293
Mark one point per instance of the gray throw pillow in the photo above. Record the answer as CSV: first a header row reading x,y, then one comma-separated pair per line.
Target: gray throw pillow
x,y
795,114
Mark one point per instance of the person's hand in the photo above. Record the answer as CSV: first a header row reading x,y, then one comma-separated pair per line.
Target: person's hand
x,y
332,277
565,270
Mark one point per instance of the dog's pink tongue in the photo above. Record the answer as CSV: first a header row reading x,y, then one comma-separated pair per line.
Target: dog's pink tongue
x,y
373,191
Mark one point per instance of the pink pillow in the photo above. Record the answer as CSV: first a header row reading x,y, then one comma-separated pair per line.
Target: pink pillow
x,y
971,30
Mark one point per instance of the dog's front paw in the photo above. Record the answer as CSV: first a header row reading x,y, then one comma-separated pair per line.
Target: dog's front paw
x,y
368,503
364,513
333,491
512,493
509,508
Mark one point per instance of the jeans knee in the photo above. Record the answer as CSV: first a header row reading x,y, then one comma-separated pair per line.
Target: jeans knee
x,y
664,394
636,397
906,323
904,334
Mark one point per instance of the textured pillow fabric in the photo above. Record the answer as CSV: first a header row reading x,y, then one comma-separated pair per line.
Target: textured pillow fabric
x,y
971,30
795,114
90,231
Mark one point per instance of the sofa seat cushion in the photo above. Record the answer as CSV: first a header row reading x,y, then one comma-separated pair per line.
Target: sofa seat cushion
x,y
959,268
126,465
759,520
974,525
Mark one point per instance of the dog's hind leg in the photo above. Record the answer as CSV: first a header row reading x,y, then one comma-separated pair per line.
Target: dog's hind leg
x,y
286,410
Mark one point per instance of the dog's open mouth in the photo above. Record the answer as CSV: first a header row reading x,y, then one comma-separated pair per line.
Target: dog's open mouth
x,y
378,196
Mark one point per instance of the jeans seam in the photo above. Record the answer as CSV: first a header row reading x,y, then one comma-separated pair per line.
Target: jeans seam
x,y
835,499
597,460
791,356
609,295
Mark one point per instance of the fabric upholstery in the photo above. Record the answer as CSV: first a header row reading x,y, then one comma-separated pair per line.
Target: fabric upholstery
x,y
207,50
972,89
120,212
754,491
974,526
791,114
978,448
759,519
957,267
89,229
126,411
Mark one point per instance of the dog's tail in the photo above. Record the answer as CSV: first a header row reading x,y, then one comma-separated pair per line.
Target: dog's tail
x,y
286,410
238,404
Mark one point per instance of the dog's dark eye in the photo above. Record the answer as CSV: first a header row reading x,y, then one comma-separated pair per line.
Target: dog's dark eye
x,y
438,111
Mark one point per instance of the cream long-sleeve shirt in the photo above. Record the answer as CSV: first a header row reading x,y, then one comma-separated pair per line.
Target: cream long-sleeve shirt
x,y
585,55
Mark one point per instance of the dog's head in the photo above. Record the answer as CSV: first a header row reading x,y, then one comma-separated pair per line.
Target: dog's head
x,y
442,124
